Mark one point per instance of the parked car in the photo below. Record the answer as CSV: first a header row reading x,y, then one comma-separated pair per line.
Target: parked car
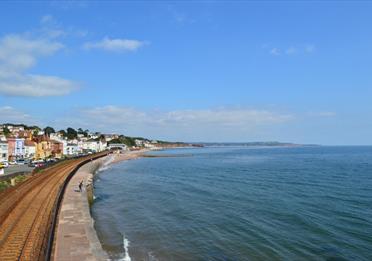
x,y
4,163
32,164
36,163
20,162
39,164
12,162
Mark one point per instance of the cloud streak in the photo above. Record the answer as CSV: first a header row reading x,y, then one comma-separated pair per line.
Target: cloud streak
x,y
291,50
12,115
202,124
115,45
216,117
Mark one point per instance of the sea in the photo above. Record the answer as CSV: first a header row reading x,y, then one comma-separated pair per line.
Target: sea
x,y
238,203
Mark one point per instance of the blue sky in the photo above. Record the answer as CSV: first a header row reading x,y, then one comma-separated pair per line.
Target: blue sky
x,y
200,71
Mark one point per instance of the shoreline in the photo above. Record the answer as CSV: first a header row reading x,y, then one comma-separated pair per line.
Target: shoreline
x,y
76,236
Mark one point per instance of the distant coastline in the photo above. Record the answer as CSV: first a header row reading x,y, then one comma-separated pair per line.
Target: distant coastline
x,y
254,144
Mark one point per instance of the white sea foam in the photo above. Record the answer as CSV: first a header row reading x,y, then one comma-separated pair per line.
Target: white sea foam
x,y
151,257
126,256
106,163
126,245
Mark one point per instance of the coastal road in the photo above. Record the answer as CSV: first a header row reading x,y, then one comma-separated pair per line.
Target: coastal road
x,y
26,212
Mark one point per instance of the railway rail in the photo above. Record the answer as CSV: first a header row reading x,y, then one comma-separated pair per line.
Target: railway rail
x,y
29,210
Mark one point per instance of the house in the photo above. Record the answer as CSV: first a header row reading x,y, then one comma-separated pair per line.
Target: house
x,y
94,145
139,143
109,137
30,149
43,147
3,151
149,145
16,148
13,127
57,149
72,149
58,137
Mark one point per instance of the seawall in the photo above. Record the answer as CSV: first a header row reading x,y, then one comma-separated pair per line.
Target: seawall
x,y
76,238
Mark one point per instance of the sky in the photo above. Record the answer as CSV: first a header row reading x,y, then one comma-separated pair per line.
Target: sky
x,y
217,71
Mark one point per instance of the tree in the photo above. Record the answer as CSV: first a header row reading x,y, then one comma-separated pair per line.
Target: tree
x,y
130,142
71,133
35,132
48,130
6,131
63,133
84,132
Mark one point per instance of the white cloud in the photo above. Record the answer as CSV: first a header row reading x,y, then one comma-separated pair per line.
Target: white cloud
x,y
292,50
35,85
275,51
47,19
12,115
18,53
52,28
217,117
203,124
116,45
180,17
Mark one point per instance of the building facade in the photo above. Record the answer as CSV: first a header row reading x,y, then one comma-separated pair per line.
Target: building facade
x,y
16,148
57,149
3,151
43,148
72,149
30,149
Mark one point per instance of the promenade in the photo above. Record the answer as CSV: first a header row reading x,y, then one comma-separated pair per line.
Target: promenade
x,y
76,238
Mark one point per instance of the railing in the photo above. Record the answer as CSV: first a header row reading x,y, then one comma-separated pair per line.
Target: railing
x,y
57,205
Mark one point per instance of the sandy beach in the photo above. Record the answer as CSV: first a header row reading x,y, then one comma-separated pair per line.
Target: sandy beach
x,y
128,155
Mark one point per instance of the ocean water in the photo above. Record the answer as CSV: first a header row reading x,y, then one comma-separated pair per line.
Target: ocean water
x,y
236,203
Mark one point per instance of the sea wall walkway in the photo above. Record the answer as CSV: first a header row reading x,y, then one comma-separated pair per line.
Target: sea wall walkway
x,y
76,238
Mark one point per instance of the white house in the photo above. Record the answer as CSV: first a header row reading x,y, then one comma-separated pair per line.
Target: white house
x,y
149,145
3,151
94,145
72,149
139,143
30,149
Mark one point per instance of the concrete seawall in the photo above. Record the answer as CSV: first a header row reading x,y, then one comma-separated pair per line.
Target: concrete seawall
x,y
76,238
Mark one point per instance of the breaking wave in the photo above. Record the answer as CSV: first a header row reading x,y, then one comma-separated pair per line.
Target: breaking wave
x,y
106,163
126,256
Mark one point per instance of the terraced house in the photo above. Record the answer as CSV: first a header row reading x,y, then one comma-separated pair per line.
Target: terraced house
x,y
3,151
43,147
30,149
16,148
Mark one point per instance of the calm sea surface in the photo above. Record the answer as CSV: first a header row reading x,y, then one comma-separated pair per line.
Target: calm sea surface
x,y
235,203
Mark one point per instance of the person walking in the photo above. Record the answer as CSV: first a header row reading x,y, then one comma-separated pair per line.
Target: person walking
x,y
80,185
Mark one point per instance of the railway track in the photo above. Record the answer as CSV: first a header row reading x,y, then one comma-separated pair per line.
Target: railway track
x,y
26,212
